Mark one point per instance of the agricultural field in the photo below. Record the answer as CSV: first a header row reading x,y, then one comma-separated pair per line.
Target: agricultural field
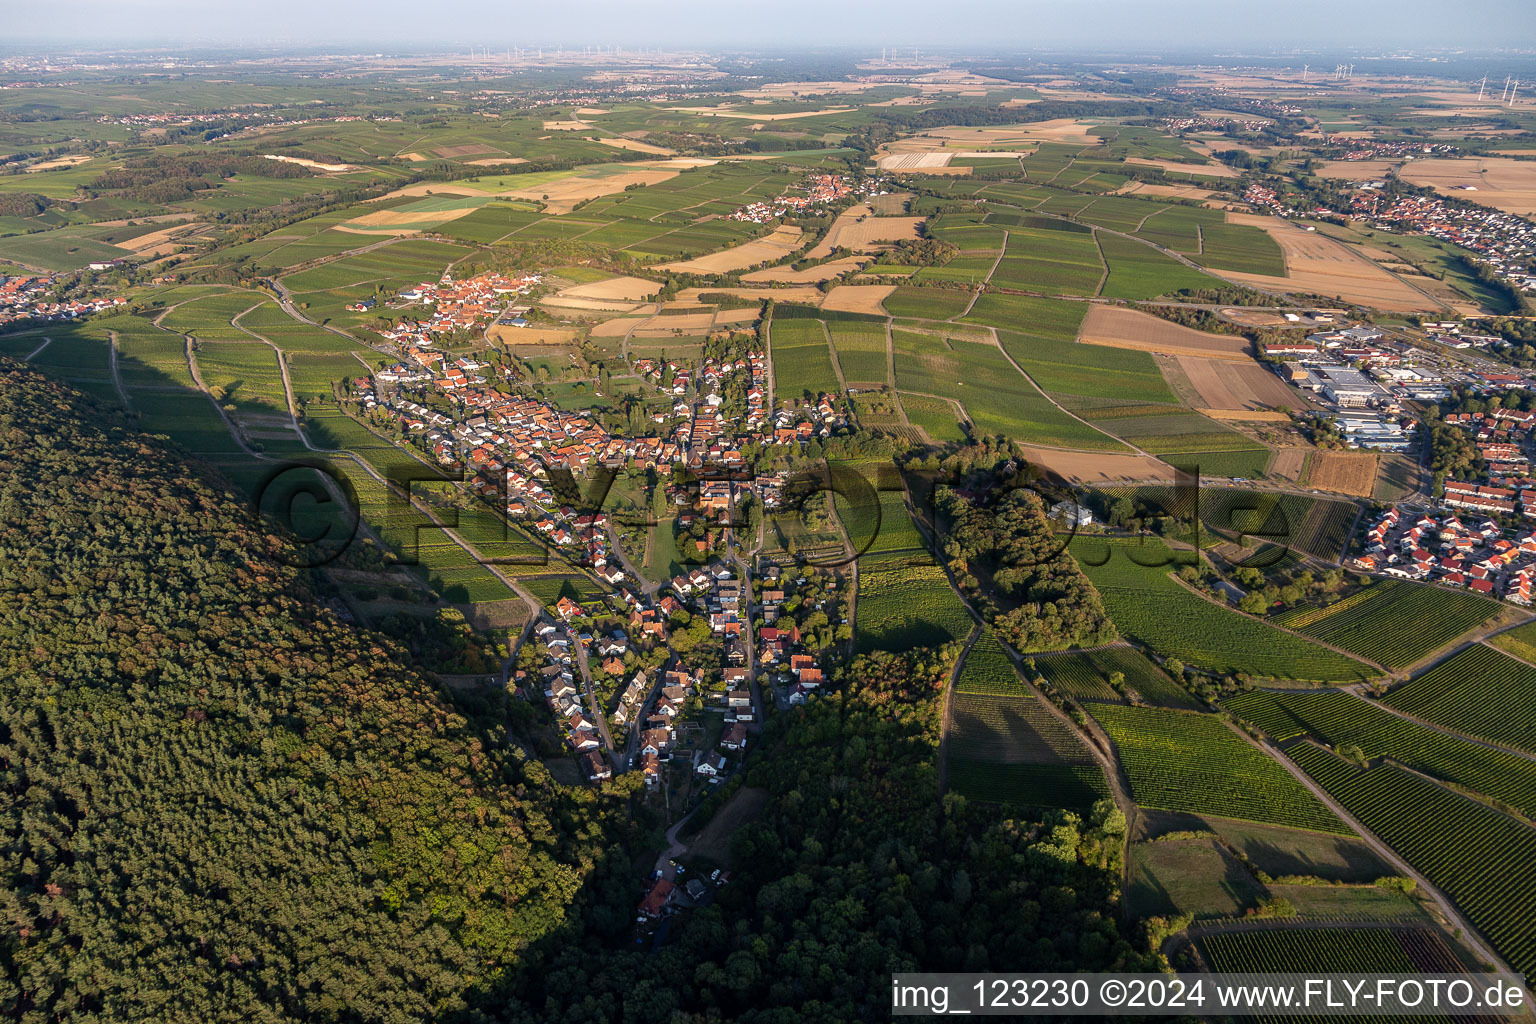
x,y
927,303
1138,271
936,416
1345,720
1301,950
802,363
1006,746
1148,604
861,351
1317,526
1085,675
906,603
1066,368
998,398
1183,761
1478,692
1478,856
1519,642
1393,623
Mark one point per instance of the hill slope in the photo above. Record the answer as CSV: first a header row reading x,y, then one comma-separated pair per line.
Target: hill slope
x,y
218,801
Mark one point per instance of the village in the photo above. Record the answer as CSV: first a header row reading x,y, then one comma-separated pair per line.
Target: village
x,y
25,300
667,678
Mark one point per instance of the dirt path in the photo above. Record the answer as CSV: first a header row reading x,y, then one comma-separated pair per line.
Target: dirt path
x,y
1014,363
1442,730
947,719
1470,935
984,281
117,378
1382,669
38,351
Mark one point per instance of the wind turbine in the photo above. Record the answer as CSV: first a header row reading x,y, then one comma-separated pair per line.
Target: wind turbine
x,y
1480,88
1513,91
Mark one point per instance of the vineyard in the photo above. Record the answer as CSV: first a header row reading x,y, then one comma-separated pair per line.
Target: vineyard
x,y
905,604
1084,675
1147,603
988,669
1395,624
1340,719
1520,641
1478,692
1481,858
1177,761
1013,749
1316,526
1299,950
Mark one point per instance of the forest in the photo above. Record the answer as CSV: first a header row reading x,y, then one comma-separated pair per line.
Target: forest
x,y
202,761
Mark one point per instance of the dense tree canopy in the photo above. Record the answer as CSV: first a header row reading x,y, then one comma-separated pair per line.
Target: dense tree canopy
x,y
218,801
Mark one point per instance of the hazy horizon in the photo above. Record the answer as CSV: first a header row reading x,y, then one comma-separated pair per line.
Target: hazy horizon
x,y
1128,26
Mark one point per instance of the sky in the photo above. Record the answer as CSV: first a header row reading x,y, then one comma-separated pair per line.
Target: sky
x,y
1144,26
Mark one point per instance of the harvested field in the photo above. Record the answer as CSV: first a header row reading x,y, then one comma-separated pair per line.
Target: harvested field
x,y
914,161
1254,317
636,146
152,240
858,298
566,126
635,289
415,158
660,326
495,161
431,188
617,327
1249,415
512,337
806,294
1120,327
1502,183
73,160
1320,265
562,195
407,217
594,305
1227,388
471,149
775,246
736,316
757,116
1067,130
1141,188
1288,463
860,230
1208,170
1093,467
377,232
312,164
1345,472
811,275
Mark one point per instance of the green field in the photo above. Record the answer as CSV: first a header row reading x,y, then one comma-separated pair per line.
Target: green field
x,y
1183,761
1478,692
1343,719
999,399
1393,623
1148,604
1006,746
1479,857
1085,676
802,363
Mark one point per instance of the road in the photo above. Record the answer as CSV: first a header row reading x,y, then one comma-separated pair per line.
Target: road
x,y
615,543
1470,935
587,691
